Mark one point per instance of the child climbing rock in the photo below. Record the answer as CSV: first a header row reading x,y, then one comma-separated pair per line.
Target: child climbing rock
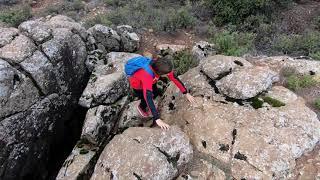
x,y
143,74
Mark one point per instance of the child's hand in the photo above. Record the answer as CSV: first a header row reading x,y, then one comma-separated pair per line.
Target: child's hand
x,y
191,99
162,124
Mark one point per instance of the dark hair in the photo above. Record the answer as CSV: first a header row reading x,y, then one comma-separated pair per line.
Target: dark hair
x,y
162,66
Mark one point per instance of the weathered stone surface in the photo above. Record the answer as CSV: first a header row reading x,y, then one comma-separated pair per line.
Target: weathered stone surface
x,y
247,83
282,94
100,121
202,50
243,142
108,81
130,116
145,153
36,30
42,71
219,65
7,35
25,137
172,48
61,21
39,88
283,63
77,164
202,170
130,41
17,92
19,49
106,36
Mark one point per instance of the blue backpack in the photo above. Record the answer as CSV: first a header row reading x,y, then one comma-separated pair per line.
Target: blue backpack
x,y
137,63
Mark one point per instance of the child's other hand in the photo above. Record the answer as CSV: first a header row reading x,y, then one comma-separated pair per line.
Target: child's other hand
x,y
162,124
191,99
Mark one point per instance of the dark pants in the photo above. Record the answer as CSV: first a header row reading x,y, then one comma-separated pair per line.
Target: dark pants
x,y
139,93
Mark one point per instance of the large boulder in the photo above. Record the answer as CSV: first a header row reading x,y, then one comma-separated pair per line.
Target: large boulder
x,y
37,30
218,66
105,36
130,41
42,72
285,63
101,120
170,48
78,163
202,50
144,153
20,48
7,35
247,83
108,81
243,142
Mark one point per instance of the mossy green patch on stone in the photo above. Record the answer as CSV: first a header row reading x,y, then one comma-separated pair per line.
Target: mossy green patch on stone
x,y
83,151
273,102
256,103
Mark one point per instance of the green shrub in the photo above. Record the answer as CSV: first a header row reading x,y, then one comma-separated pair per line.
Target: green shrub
x,y
183,61
158,15
237,11
98,19
315,55
317,103
256,102
305,44
316,23
273,102
296,82
16,15
233,44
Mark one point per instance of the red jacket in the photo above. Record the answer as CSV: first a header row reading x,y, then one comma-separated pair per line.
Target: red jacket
x,y
142,80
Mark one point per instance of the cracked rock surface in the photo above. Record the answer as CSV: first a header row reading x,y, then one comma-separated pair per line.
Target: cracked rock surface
x,y
42,72
144,153
239,140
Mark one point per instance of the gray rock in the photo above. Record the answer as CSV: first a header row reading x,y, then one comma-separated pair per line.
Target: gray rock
x,y
42,71
253,144
219,65
18,92
130,116
39,88
144,153
36,30
106,36
247,83
7,35
61,21
101,120
19,49
26,137
77,164
130,41
285,63
108,82
202,50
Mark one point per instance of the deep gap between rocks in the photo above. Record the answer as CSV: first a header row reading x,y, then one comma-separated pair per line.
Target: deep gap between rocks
x,y
65,139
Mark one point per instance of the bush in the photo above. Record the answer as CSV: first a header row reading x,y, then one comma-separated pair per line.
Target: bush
x,y
183,61
237,11
98,19
296,82
152,14
305,44
15,15
70,8
315,55
233,44
317,103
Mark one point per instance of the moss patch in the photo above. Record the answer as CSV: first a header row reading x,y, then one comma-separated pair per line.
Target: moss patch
x,y
273,102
